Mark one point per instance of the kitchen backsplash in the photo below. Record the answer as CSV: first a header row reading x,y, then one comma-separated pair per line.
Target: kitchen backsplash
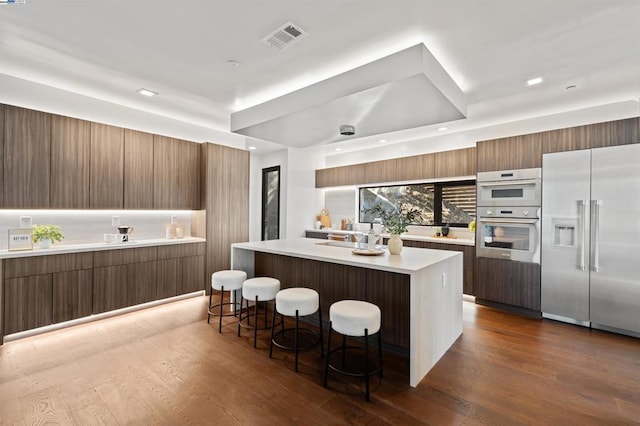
x,y
341,204
89,226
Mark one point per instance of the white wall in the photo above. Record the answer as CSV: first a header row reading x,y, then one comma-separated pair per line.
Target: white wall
x,y
257,163
303,198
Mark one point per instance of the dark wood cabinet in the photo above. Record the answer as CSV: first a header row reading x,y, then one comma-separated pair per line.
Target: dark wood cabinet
x,y
516,152
27,303
619,132
191,272
70,160
417,167
110,289
72,295
181,269
340,176
141,282
27,151
176,171
106,181
458,162
2,108
138,170
516,284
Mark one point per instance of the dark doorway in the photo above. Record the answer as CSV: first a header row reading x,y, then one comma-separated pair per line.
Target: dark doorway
x,y
271,203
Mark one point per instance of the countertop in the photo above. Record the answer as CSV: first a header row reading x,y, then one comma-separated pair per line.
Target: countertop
x,y
410,260
61,248
408,237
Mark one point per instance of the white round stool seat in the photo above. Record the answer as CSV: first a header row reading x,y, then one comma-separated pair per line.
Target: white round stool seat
x,y
230,280
351,317
303,300
264,288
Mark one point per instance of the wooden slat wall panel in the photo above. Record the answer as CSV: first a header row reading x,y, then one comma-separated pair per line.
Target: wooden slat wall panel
x,y
459,162
27,151
138,170
26,266
72,295
390,291
106,180
70,162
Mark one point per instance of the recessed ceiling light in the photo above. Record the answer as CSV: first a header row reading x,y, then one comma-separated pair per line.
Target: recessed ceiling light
x,y
382,140
442,129
338,149
146,92
233,63
252,148
534,81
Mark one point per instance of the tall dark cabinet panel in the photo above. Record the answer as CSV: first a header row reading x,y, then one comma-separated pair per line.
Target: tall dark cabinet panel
x,y
176,170
508,283
138,170
70,159
516,152
106,180
226,202
27,151
2,108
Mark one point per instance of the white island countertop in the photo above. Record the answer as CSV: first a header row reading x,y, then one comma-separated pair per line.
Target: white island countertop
x,y
61,248
409,261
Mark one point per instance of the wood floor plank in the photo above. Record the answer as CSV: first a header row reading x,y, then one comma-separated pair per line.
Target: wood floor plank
x,y
166,365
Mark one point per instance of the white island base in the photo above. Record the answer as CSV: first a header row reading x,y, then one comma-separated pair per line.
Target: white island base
x,y
419,291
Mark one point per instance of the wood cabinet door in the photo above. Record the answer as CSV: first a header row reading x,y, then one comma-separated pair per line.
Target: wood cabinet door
x,y
511,283
109,288
191,274
142,285
168,277
70,158
459,162
176,171
106,180
27,303
27,163
72,295
138,170
517,152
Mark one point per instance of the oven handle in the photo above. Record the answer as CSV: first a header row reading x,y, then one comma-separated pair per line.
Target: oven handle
x,y
530,182
509,220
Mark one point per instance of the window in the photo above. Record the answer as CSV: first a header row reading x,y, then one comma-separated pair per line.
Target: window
x,y
439,203
271,203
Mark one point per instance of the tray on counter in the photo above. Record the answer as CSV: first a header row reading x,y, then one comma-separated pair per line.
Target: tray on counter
x,y
366,252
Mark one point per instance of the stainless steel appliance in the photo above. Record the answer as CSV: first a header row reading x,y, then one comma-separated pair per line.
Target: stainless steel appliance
x,y
511,233
591,238
509,188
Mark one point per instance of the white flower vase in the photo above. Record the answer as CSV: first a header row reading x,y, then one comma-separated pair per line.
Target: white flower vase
x,y
45,243
395,244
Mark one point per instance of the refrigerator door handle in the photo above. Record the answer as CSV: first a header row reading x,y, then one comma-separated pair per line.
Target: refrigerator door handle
x,y
595,231
582,205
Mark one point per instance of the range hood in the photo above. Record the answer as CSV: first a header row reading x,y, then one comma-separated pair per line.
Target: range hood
x,y
404,90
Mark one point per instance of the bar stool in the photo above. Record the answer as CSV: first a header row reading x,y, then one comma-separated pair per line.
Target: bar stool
x,y
224,281
296,302
260,289
354,318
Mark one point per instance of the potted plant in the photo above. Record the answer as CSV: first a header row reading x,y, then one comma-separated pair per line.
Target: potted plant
x,y
395,222
46,235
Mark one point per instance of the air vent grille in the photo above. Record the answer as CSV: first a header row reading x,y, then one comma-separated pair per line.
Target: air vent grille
x,y
284,36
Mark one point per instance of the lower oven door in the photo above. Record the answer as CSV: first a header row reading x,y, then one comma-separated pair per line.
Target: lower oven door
x,y
511,239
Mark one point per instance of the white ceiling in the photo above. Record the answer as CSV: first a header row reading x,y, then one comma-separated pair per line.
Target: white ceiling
x,y
109,49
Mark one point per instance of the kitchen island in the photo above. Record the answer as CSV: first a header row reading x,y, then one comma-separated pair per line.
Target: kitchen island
x,y
419,291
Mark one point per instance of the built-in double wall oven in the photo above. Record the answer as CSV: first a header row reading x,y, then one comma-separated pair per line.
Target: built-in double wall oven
x,y
509,215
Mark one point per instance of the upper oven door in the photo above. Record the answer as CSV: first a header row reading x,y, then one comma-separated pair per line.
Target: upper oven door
x,y
511,239
513,188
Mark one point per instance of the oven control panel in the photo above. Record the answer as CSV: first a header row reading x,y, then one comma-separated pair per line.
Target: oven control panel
x,y
509,212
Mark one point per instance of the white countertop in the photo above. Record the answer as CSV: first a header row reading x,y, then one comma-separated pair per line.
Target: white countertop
x,y
61,248
409,237
410,260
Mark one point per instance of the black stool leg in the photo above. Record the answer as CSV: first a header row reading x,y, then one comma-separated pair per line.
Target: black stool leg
x,y
366,362
321,336
221,300
295,341
255,325
344,350
209,310
273,323
380,351
326,361
240,319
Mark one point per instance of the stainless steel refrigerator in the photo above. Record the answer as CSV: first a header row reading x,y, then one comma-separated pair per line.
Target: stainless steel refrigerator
x,y
590,260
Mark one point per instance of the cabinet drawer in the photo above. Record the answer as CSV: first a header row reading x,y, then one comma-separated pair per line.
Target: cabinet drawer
x,y
37,265
124,256
180,250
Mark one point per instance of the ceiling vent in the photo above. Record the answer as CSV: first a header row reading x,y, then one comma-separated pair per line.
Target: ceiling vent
x,y
284,36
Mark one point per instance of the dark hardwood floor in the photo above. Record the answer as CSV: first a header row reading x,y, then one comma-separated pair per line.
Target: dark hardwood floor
x,y
165,365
